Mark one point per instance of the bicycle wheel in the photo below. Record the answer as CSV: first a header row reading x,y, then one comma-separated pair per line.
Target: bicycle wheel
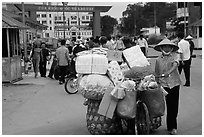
x,y
142,121
71,85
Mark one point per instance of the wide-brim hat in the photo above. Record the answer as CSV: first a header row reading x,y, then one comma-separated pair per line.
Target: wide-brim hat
x,y
189,37
166,42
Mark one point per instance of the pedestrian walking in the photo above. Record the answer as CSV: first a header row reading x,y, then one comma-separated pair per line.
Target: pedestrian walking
x,y
119,45
143,44
184,50
192,46
62,54
54,70
53,66
127,42
44,57
35,56
166,66
109,45
91,43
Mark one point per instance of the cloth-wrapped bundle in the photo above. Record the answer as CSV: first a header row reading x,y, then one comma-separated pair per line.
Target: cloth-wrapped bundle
x,y
94,86
98,124
115,73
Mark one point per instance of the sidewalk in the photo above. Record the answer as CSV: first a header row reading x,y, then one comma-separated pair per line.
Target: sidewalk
x,y
30,79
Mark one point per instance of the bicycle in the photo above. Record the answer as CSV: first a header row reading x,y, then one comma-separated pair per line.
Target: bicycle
x,y
71,84
143,122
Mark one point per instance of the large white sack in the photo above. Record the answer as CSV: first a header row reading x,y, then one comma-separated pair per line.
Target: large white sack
x,y
95,80
135,57
92,64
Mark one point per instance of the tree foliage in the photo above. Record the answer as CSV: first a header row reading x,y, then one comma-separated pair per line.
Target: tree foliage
x,y
141,15
107,25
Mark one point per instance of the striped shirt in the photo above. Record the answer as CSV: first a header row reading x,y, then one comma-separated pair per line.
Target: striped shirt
x,y
165,63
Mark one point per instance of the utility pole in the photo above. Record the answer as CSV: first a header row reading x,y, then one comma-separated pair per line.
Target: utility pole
x,y
155,19
135,26
184,19
63,19
24,40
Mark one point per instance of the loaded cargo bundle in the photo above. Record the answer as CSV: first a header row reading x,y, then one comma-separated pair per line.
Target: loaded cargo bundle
x,y
135,57
94,86
98,124
91,64
138,72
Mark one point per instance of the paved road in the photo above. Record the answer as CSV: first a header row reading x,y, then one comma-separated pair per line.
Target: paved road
x,y
53,112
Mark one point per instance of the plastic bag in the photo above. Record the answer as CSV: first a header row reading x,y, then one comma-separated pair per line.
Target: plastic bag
x,y
126,108
154,100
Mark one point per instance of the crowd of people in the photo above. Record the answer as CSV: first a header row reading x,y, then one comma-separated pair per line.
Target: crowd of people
x,y
176,56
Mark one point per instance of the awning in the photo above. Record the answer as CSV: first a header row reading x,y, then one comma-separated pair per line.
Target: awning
x,y
19,19
196,23
8,22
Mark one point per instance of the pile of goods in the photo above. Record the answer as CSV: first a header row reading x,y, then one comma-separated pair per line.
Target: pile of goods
x,y
108,88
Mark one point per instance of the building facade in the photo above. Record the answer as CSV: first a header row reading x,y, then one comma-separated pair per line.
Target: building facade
x,y
73,25
190,14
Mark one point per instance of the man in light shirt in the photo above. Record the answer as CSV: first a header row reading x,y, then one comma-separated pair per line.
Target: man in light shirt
x,y
143,44
184,50
62,54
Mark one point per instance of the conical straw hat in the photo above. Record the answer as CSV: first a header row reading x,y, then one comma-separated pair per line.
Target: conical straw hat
x,y
166,42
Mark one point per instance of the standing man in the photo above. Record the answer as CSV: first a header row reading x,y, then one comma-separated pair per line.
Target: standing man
x,y
119,45
184,64
44,57
143,44
192,46
62,54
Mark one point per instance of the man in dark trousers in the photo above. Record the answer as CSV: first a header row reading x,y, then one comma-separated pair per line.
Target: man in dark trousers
x,y
184,63
44,57
62,54
192,46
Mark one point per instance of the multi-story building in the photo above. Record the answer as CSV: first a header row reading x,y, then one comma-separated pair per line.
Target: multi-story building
x,y
73,25
190,14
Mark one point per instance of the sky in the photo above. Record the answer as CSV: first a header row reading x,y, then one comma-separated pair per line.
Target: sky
x,y
116,11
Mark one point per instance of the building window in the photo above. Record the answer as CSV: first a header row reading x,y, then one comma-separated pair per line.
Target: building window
x,y
50,28
50,22
44,22
38,15
55,17
46,34
59,18
85,22
87,17
73,22
83,17
74,17
50,15
43,15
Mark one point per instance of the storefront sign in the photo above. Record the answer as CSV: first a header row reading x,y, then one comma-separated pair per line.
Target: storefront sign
x,y
66,8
